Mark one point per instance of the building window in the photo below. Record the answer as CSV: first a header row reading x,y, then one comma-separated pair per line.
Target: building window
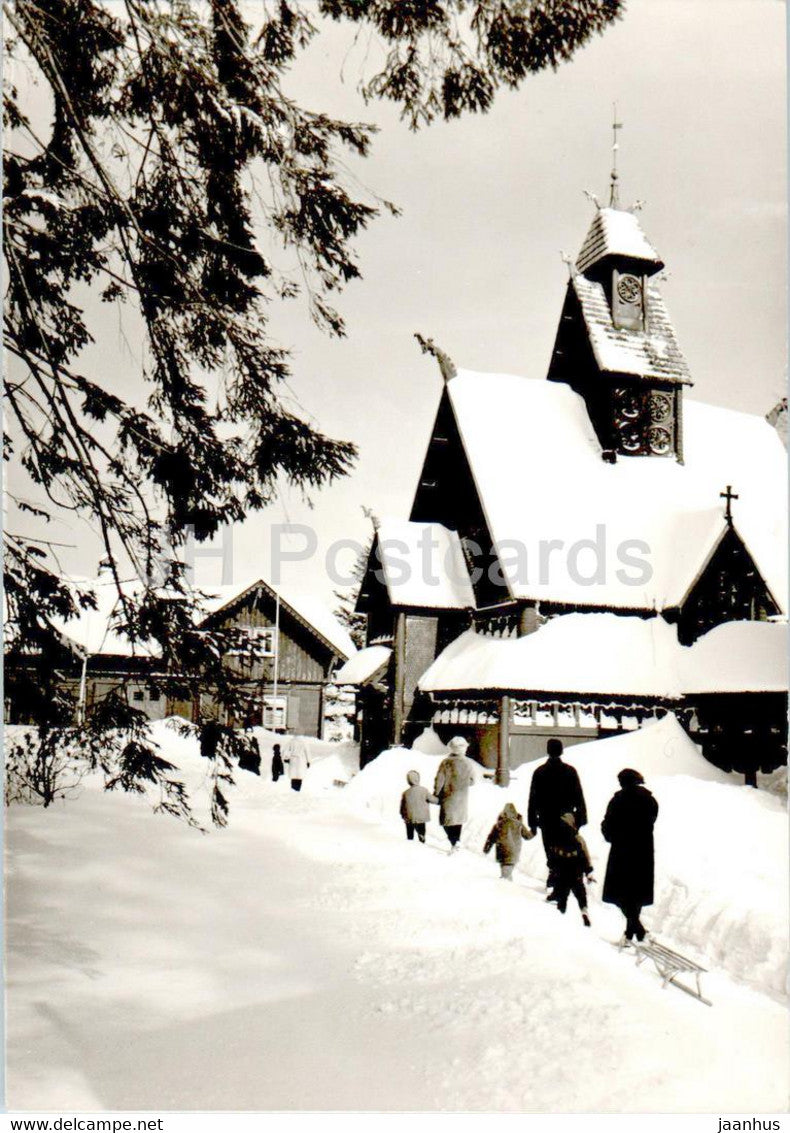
x,y
138,695
275,713
153,694
260,638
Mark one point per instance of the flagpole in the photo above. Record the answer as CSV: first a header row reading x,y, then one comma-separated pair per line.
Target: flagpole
x,y
276,656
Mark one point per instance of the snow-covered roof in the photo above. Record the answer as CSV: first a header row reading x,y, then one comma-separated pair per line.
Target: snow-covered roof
x,y
694,537
650,353
614,232
423,566
364,665
306,608
589,654
93,632
536,462
737,657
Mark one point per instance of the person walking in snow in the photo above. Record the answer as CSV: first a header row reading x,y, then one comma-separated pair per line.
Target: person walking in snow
x,y
452,790
507,834
628,827
250,755
414,808
278,768
298,760
571,865
555,790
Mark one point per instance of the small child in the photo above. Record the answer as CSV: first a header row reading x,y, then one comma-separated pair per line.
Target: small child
x,y
278,768
572,865
507,834
414,806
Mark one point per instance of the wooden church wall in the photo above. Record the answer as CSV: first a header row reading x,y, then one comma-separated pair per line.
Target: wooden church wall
x,y
743,732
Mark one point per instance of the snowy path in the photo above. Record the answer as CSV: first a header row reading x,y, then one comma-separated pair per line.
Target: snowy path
x,y
311,959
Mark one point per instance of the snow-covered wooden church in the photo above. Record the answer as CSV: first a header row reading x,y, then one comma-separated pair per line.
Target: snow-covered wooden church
x,y
585,550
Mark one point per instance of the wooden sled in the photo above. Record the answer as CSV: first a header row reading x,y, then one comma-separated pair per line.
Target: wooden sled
x,y
670,965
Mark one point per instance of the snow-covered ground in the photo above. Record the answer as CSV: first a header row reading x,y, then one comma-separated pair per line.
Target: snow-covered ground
x,y
308,957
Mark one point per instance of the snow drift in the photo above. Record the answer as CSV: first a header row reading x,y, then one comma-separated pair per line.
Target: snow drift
x,y
721,848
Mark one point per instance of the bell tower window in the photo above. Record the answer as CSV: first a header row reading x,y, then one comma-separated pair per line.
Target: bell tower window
x,y
644,421
628,301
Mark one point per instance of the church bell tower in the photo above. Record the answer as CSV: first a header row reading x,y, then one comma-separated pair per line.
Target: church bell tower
x,y
616,345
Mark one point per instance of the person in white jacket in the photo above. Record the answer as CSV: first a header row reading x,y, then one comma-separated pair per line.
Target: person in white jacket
x,y
298,760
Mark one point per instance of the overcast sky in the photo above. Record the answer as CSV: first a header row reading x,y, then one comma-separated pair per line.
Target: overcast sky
x,y
488,205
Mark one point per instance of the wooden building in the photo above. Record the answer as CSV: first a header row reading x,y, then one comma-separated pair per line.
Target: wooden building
x,y
299,646
598,507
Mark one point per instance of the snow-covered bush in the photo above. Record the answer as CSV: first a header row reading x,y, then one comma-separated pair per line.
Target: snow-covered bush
x,y
41,769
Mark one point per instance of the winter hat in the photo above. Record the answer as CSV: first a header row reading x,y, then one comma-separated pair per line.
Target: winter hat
x,y
554,746
509,811
630,778
458,745
413,778
569,818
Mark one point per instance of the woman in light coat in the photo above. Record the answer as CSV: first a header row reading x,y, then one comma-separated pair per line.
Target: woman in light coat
x,y
298,761
452,790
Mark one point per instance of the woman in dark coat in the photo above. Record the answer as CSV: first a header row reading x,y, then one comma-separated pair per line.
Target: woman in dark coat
x,y
628,827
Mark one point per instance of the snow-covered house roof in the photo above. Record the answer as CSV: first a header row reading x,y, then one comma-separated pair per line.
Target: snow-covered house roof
x,y
308,610
94,632
364,666
539,474
615,232
653,353
423,566
737,657
587,654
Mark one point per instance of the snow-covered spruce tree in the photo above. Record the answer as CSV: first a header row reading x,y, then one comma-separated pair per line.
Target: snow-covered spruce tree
x,y
167,138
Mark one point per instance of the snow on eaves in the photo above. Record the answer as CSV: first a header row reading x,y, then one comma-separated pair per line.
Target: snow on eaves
x,y
95,632
586,654
737,657
423,566
653,353
615,655
614,232
364,665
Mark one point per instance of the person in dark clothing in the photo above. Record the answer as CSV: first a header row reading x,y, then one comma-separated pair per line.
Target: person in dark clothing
x,y
414,806
278,767
628,827
555,790
571,865
249,756
506,834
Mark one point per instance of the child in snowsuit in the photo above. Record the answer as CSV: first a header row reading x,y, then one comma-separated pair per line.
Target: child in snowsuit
x,y
572,865
278,768
506,834
414,806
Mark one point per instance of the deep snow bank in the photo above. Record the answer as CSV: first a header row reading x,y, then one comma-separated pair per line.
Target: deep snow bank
x,y
721,848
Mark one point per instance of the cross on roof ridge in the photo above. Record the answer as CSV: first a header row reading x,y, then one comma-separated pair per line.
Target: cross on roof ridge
x,y
729,496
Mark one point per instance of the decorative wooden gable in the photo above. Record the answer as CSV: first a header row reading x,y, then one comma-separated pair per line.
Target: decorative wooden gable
x,y
447,494
728,588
